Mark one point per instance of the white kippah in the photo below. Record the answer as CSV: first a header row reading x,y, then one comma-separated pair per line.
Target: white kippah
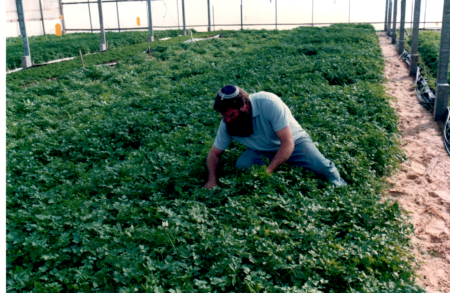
x,y
231,94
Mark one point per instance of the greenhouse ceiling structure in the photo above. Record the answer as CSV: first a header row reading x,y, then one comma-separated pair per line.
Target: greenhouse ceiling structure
x,y
41,16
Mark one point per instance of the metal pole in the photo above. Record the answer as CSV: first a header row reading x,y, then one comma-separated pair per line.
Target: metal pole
x,y
412,11
312,14
389,18
401,43
394,33
178,16
184,18
62,17
26,60
118,21
151,38
90,18
425,14
42,16
209,16
242,21
415,40
276,15
349,1
386,16
214,23
102,29
442,87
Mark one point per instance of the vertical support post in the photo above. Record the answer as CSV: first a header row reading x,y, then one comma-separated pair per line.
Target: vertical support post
x,y
178,16
401,42
386,16
42,16
214,22
412,12
102,29
349,2
151,37
389,18
312,14
415,40
394,30
90,18
276,14
26,60
62,17
242,18
184,17
209,16
442,86
118,20
425,14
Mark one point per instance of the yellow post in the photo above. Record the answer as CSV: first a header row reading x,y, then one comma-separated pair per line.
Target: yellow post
x,y
138,21
58,30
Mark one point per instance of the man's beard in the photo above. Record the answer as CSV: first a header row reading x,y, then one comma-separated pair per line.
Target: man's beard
x,y
241,125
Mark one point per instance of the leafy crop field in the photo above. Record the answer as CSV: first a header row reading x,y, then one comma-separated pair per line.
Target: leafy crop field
x,y
50,47
105,168
429,46
53,70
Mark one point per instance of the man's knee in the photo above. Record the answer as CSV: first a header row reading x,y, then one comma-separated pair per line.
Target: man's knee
x,y
251,157
243,163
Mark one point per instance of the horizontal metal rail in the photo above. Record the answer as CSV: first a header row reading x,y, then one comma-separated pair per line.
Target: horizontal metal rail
x,y
114,1
33,19
220,25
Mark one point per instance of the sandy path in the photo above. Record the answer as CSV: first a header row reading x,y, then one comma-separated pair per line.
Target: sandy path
x,y
422,186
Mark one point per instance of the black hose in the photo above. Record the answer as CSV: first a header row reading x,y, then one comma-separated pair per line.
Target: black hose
x,y
447,132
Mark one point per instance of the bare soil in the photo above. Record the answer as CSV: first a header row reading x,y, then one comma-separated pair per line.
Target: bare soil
x,y
422,186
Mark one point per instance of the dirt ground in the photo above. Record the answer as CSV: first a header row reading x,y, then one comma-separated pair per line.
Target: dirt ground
x,y
422,186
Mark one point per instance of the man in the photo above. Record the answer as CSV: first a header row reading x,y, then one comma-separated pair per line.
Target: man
x,y
265,125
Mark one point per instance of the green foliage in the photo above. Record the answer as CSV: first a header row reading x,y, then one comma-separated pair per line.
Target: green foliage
x,y
429,46
50,47
53,70
105,168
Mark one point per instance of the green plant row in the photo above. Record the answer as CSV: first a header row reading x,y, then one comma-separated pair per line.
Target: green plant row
x,y
428,48
50,47
53,70
105,168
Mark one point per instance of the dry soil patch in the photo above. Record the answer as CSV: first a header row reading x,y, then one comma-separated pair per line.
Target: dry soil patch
x,y
422,186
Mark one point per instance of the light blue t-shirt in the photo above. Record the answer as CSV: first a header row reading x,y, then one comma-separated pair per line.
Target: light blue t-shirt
x,y
269,115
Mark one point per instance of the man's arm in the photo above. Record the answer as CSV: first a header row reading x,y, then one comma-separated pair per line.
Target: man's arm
x,y
212,161
285,150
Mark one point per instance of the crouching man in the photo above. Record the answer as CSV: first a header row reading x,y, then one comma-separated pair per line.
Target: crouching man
x,y
265,125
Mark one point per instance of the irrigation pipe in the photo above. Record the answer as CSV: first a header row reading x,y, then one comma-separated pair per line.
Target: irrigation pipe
x,y
447,132
424,93
426,97
42,64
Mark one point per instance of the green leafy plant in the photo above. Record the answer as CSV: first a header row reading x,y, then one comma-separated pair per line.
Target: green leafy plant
x,y
105,168
51,71
50,47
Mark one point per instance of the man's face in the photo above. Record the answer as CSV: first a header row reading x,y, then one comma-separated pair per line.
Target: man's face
x,y
239,122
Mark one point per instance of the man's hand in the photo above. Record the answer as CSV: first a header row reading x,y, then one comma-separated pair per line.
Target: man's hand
x,y
212,161
285,150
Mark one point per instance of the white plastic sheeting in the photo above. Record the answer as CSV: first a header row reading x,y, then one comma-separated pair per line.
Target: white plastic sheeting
x,y
224,14
33,17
